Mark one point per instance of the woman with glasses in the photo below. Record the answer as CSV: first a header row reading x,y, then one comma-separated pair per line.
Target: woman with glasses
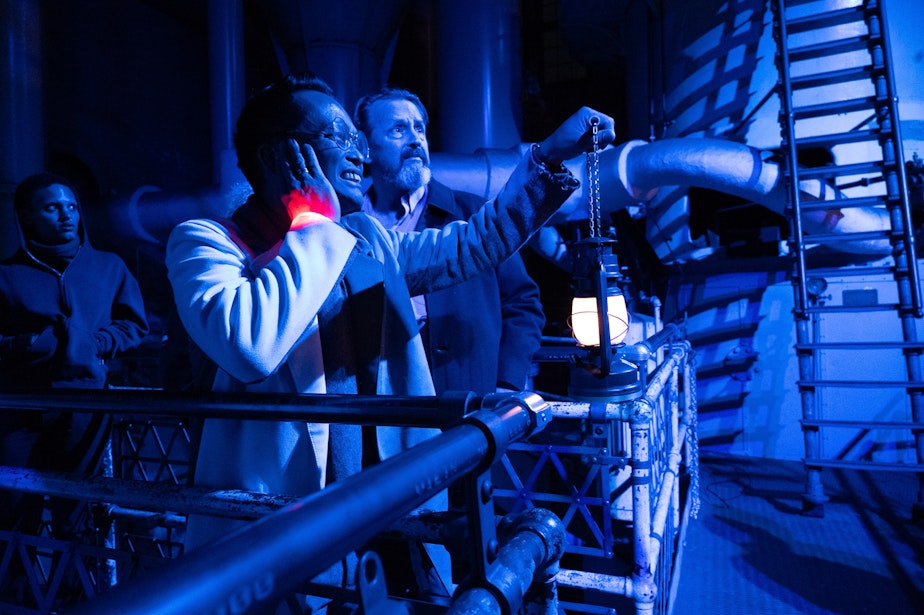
x,y
300,292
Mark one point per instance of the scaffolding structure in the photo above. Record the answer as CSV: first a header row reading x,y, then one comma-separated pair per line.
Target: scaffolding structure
x,y
640,451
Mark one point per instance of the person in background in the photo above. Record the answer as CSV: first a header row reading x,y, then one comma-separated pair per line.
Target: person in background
x,y
479,335
66,309
300,292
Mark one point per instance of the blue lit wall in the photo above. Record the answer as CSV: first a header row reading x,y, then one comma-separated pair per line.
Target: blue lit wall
x,y
719,83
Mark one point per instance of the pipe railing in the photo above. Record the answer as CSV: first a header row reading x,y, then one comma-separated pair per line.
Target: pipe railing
x,y
141,495
274,555
441,411
654,497
655,485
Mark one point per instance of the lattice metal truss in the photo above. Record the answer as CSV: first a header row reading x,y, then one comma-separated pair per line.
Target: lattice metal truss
x,y
45,571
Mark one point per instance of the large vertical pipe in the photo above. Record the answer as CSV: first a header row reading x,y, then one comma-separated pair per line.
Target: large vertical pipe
x,y
639,73
344,42
21,146
226,81
479,74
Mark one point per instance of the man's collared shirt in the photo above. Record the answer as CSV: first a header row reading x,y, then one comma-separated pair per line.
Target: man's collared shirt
x,y
406,223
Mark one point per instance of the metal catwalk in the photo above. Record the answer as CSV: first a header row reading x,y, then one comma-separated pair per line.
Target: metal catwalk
x,y
615,472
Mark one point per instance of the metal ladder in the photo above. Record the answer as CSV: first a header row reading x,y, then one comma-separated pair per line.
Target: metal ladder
x,y
818,43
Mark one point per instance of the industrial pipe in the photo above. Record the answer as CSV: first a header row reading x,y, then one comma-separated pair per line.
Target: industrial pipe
x,y
144,495
641,168
669,485
644,586
226,84
529,555
669,488
479,43
440,412
21,130
631,173
346,43
253,567
635,171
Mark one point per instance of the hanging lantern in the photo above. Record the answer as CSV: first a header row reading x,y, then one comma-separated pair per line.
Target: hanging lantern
x,y
602,374
596,291
585,317
598,311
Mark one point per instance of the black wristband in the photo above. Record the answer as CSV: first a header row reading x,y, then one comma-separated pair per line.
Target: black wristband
x,y
553,166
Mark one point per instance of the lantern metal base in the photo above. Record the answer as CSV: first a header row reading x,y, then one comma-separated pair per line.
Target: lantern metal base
x,y
622,383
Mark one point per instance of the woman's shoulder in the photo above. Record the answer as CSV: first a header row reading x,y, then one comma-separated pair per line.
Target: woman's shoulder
x,y
207,230
368,228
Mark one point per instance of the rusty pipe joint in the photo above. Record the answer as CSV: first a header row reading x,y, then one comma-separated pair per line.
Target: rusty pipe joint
x,y
532,543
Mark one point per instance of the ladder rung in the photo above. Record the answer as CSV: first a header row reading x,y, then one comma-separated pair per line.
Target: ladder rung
x,y
792,3
846,75
862,424
837,309
845,237
865,384
827,19
866,201
861,346
824,272
829,48
832,310
830,140
847,169
836,107
864,465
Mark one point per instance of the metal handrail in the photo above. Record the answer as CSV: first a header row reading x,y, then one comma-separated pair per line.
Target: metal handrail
x,y
274,555
437,411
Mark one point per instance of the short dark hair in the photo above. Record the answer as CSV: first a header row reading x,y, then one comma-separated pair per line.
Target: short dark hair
x,y
268,112
361,116
22,197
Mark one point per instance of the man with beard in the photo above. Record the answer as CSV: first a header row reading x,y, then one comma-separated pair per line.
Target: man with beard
x,y
483,349
299,292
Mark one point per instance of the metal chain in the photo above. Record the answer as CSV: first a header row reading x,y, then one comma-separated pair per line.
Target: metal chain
x,y
593,181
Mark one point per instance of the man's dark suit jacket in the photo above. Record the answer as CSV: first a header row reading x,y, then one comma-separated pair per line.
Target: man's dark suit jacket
x,y
482,333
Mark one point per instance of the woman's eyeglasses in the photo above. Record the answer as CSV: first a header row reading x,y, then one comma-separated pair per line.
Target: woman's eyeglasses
x,y
337,133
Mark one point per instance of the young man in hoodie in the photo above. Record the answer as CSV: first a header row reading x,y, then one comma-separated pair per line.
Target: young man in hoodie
x,y
66,309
